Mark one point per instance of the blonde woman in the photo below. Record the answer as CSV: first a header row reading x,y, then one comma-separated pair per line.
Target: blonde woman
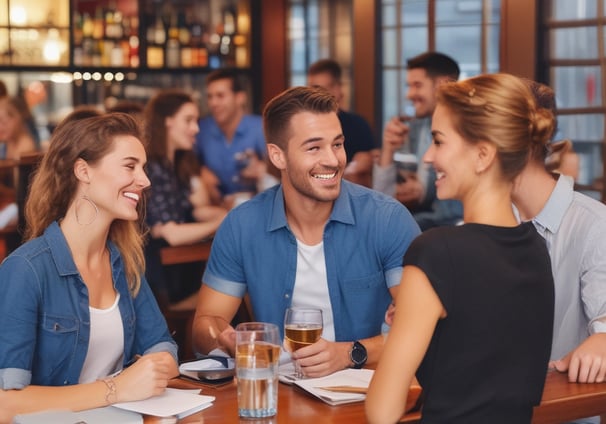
x,y
474,312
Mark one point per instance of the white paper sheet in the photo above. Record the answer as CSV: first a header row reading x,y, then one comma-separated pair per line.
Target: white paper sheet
x,y
173,402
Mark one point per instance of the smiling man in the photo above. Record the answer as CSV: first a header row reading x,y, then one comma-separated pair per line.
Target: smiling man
x,y
424,74
313,240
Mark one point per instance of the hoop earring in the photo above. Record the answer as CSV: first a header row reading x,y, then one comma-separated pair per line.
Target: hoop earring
x,y
85,197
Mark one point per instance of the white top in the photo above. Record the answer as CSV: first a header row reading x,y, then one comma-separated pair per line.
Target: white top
x,y
311,287
106,343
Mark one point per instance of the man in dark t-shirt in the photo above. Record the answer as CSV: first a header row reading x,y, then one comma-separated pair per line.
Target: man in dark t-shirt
x,y
359,140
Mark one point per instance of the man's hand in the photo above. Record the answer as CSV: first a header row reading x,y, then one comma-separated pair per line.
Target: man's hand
x,y
323,357
395,135
587,363
215,332
255,169
410,191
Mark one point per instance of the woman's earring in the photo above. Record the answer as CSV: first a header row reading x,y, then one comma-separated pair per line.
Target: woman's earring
x,y
86,198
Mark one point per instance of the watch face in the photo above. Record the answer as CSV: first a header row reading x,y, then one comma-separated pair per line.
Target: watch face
x,y
358,354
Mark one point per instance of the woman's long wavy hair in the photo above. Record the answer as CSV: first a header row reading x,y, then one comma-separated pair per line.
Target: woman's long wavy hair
x,y
54,185
163,105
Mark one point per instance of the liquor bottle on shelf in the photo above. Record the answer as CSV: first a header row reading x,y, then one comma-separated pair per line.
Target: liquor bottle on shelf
x,y
98,24
199,55
184,40
108,38
78,50
226,47
132,32
173,46
155,48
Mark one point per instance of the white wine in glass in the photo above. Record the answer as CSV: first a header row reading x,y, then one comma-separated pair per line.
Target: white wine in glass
x,y
302,327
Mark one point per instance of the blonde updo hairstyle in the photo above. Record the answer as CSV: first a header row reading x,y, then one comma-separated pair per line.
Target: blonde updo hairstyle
x,y
499,108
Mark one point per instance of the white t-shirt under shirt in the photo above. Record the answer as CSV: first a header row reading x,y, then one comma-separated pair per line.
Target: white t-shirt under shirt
x,y
311,288
105,345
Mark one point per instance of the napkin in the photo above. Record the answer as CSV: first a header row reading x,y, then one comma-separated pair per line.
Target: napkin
x,y
206,366
348,377
203,364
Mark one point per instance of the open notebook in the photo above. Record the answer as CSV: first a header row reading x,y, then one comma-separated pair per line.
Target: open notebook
x,y
324,387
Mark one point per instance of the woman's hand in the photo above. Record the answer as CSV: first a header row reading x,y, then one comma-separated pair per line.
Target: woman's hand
x,y
147,377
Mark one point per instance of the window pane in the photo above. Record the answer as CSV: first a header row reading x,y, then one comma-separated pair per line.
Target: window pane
x,y
390,47
3,16
298,79
297,56
463,44
574,43
566,10
389,13
296,23
590,158
581,128
34,47
414,12
415,42
493,48
460,12
495,12
577,86
391,94
5,58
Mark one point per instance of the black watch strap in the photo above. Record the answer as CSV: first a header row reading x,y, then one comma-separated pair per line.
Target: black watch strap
x,y
358,355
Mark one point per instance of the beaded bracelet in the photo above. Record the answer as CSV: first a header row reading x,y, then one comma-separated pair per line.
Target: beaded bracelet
x,y
110,396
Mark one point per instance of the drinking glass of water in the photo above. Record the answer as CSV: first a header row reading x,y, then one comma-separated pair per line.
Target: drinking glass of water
x,y
257,357
302,327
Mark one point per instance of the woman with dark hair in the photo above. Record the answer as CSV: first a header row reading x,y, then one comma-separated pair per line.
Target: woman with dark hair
x,y
75,306
14,132
178,206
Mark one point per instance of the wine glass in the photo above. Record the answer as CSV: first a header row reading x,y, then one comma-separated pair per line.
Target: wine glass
x,y
302,327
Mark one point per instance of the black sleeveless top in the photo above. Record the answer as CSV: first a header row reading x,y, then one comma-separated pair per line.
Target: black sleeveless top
x,y
487,360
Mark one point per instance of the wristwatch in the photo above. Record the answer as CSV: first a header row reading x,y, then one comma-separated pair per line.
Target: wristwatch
x,y
358,355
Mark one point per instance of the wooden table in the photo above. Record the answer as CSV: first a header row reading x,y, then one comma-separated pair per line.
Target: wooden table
x,y
171,255
562,401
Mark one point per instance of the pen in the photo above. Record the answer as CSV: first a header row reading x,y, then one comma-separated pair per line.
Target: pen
x,y
345,389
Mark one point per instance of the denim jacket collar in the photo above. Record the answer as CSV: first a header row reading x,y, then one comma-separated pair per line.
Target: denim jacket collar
x,y
65,263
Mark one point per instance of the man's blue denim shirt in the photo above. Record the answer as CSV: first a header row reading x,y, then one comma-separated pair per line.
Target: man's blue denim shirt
x,y
219,154
364,243
44,313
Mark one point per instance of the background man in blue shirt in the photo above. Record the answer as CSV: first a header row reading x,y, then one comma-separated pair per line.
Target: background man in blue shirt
x,y
314,240
230,140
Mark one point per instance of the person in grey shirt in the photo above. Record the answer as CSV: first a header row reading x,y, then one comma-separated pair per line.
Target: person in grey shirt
x,y
416,189
574,227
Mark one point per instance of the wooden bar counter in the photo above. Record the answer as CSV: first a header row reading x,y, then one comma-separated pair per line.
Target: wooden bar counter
x,y
562,401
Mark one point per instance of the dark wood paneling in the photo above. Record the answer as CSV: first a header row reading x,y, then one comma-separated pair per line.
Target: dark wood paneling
x,y
273,49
